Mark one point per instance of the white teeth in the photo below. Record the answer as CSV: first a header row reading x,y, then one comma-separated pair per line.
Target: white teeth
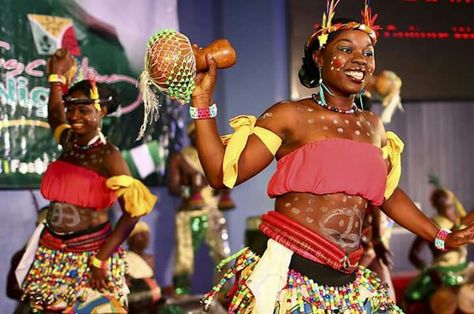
x,y
358,75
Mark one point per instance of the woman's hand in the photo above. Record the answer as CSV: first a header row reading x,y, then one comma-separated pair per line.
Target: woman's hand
x,y
205,83
99,279
61,62
460,237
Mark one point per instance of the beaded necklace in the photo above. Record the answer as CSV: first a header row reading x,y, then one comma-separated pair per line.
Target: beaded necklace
x,y
335,109
96,141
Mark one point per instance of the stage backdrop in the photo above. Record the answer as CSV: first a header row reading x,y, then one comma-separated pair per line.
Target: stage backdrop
x,y
33,30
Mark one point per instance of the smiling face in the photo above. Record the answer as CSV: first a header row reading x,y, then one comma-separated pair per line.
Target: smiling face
x,y
84,119
347,62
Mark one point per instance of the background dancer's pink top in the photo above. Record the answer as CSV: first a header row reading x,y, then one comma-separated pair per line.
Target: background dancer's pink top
x,y
330,166
68,183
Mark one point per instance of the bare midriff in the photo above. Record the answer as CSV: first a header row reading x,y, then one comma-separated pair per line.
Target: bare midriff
x,y
67,218
337,217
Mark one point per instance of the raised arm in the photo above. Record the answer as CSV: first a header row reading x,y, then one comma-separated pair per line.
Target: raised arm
x,y
59,66
255,156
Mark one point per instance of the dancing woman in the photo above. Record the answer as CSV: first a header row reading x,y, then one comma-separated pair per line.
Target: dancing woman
x,y
333,160
77,265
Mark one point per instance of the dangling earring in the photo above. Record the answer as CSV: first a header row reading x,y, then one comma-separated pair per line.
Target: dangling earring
x,y
101,135
361,100
322,88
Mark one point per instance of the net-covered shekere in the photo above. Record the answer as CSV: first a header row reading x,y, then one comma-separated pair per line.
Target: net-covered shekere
x,y
170,66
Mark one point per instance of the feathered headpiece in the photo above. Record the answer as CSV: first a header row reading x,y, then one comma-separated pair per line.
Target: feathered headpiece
x,y
367,24
94,94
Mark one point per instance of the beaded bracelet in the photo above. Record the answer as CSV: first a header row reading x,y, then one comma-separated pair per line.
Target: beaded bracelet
x,y
97,263
203,113
56,78
441,238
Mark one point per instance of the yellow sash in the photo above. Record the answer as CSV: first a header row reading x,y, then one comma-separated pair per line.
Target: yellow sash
x,y
243,127
138,199
393,151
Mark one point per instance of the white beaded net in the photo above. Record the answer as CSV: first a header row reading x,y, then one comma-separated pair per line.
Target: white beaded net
x,y
170,66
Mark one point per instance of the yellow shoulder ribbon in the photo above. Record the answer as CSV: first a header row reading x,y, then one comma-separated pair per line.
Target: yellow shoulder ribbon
x,y
138,199
59,130
393,151
243,127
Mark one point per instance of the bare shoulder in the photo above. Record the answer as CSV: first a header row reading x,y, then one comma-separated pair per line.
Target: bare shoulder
x,y
281,108
377,124
113,161
111,151
280,117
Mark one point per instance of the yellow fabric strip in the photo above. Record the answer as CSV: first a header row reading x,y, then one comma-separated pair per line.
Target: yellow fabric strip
x,y
393,151
137,197
270,139
59,130
459,207
243,127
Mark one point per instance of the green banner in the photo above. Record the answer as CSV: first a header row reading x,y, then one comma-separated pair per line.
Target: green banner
x,y
30,32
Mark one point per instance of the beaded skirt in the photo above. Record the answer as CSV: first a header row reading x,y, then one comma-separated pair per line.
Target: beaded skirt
x,y
58,279
366,294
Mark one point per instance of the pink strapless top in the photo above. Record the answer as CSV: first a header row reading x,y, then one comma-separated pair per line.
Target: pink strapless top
x,y
330,166
68,183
